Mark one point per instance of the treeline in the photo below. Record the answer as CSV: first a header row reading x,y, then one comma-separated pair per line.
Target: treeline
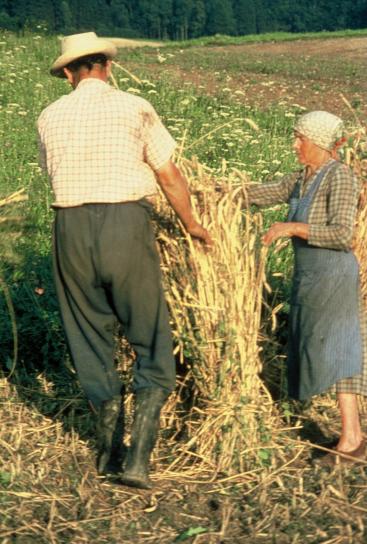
x,y
182,19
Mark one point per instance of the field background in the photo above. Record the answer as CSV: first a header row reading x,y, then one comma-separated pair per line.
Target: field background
x,y
231,105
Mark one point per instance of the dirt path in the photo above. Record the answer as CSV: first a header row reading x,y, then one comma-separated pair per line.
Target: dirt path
x,y
355,48
122,42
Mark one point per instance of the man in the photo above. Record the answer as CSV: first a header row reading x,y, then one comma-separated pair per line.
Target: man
x,y
104,150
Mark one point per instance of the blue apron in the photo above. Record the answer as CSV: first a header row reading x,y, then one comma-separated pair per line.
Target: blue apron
x,y
325,342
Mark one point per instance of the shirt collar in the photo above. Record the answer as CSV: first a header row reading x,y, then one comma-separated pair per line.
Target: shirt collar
x,y
89,81
324,165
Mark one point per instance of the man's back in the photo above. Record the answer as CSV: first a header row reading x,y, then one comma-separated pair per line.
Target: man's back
x,y
103,145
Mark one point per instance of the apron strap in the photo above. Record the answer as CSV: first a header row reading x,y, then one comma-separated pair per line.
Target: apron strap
x,y
295,199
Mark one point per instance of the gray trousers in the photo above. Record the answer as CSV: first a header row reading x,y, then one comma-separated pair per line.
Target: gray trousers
x,y
106,268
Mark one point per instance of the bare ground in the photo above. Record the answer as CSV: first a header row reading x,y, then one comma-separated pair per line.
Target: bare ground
x,y
267,73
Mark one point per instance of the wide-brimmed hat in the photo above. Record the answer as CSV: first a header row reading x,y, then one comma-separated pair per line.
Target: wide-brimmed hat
x,y
79,45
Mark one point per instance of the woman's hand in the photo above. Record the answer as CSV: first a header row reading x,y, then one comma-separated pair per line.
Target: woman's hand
x,y
285,230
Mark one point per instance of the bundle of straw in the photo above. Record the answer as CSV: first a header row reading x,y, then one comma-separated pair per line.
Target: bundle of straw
x,y
18,196
356,157
215,300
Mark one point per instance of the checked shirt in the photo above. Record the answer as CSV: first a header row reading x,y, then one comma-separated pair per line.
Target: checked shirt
x,y
102,145
333,210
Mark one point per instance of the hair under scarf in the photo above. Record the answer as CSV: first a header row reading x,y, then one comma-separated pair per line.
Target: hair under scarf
x,y
321,127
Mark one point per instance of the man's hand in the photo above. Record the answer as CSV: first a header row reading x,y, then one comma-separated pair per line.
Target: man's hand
x,y
197,231
174,186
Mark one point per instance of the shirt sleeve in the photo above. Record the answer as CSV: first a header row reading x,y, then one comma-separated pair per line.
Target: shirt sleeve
x,y
158,143
42,157
269,194
341,204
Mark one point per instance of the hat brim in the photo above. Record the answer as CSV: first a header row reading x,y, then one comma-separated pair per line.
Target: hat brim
x,y
103,46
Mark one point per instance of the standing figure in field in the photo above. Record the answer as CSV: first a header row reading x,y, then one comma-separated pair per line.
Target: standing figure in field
x,y
104,151
327,323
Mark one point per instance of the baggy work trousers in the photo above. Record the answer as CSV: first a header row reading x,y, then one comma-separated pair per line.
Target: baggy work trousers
x,y
106,267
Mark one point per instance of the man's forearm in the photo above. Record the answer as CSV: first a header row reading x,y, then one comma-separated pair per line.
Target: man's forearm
x,y
175,189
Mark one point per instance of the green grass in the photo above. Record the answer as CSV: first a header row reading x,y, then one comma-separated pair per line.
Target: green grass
x,y
220,128
213,128
48,491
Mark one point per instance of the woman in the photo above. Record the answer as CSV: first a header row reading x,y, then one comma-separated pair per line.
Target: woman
x,y
327,326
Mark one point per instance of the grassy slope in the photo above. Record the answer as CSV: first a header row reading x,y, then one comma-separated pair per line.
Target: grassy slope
x,y
48,487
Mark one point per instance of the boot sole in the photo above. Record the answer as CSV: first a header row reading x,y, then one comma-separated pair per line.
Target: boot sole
x,y
133,481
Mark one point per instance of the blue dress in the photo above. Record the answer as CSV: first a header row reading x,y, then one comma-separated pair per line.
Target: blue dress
x,y
325,343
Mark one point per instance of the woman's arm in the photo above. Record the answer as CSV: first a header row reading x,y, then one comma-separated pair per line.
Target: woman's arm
x,y
269,194
341,202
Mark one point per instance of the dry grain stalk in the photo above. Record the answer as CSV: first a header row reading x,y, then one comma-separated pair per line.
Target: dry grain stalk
x,y
356,157
18,196
215,300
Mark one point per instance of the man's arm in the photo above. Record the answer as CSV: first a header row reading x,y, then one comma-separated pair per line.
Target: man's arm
x,y
42,158
175,188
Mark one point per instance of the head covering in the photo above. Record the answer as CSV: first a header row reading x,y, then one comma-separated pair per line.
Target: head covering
x,y
79,45
321,127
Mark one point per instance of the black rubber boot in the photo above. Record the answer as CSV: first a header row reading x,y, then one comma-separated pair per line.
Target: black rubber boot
x,y
110,433
148,404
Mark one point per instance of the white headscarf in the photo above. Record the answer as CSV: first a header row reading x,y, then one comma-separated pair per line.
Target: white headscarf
x,y
321,127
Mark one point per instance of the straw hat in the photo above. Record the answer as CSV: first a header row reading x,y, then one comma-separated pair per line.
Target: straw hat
x,y
78,45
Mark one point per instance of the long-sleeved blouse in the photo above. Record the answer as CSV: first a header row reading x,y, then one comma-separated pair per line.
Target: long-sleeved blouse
x,y
333,210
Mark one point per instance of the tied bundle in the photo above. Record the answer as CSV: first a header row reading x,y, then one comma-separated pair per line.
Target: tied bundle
x,y
215,301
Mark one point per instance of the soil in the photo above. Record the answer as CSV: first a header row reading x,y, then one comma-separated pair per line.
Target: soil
x,y
330,77
123,42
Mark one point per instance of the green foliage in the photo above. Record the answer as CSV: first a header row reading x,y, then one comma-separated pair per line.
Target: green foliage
x,y
5,478
191,531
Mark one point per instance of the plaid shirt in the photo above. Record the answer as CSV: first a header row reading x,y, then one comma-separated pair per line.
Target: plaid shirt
x,y
333,209
101,145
